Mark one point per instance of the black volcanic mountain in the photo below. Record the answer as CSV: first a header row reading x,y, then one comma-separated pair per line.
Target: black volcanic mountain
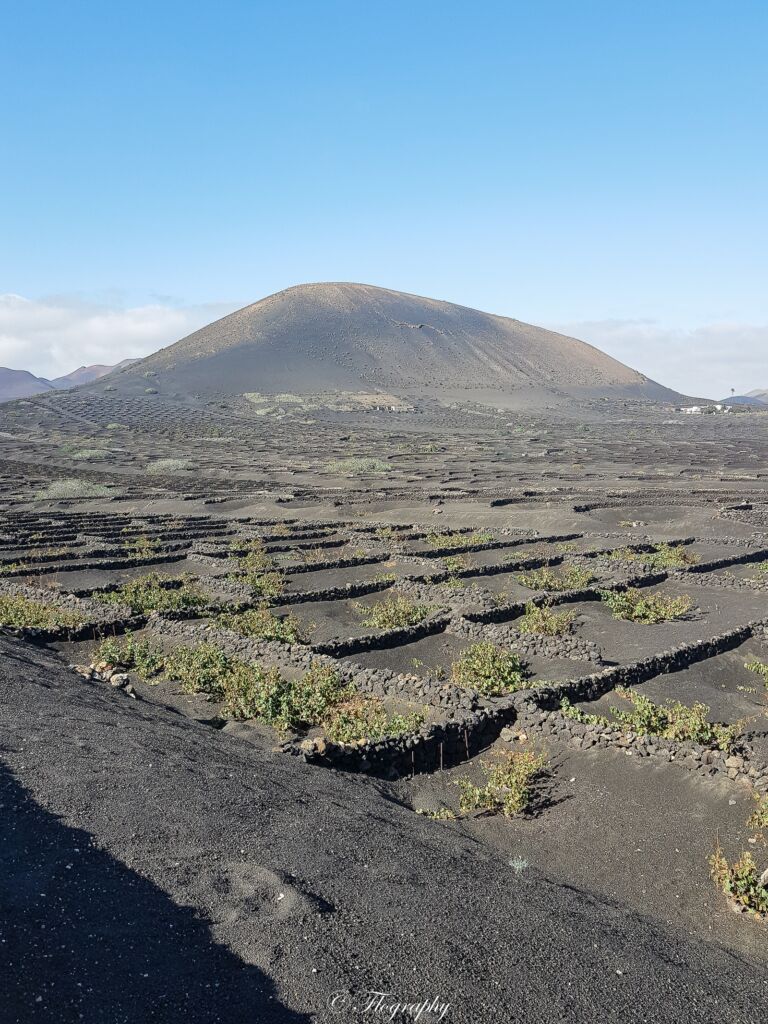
x,y
21,384
353,337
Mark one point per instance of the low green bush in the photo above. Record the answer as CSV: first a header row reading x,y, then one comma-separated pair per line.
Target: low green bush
x,y
141,547
741,881
366,720
541,620
255,558
144,657
264,584
253,691
489,669
573,577
316,695
91,454
759,817
457,539
455,563
263,625
154,592
634,605
395,612
661,556
163,467
509,786
201,669
760,668
569,710
358,467
62,489
11,567
287,705
22,612
671,721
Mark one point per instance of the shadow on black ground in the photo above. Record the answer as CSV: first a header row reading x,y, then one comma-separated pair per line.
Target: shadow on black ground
x,y
85,938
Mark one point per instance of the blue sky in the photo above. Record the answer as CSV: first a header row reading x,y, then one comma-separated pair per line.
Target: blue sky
x,y
595,167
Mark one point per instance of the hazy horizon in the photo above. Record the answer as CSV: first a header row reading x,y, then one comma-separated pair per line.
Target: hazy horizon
x,y
55,336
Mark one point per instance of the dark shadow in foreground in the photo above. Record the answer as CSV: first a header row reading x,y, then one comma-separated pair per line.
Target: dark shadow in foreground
x,y
84,938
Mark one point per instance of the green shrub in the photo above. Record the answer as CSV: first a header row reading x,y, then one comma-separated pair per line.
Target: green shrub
x,y
661,556
759,818
457,539
88,454
366,720
251,691
262,624
760,668
265,584
287,705
509,785
132,652
568,710
572,578
441,814
358,467
541,620
22,612
455,563
741,881
141,547
478,537
635,606
255,558
201,669
71,488
393,612
316,694
673,721
489,669
154,592
163,467
385,577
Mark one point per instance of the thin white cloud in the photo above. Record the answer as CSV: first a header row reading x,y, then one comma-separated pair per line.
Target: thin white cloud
x,y
703,361
52,337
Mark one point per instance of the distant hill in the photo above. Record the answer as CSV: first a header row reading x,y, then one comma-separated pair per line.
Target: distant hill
x,y
21,384
353,337
87,374
757,398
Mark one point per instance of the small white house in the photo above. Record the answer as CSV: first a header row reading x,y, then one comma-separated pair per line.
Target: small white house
x,y
698,410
